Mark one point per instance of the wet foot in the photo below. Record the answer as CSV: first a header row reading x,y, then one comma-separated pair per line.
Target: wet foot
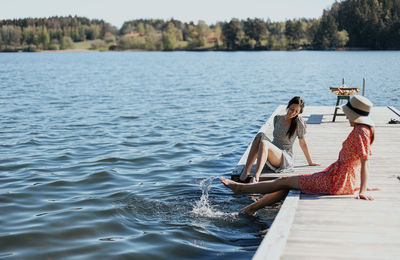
x,y
253,180
234,186
248,211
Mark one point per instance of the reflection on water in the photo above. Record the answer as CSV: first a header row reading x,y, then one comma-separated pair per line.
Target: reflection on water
x,y
115,155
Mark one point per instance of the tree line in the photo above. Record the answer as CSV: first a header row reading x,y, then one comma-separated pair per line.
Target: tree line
x,y
54,33
368,24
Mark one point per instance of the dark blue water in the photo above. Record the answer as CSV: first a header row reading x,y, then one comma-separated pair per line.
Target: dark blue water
x,y
113,155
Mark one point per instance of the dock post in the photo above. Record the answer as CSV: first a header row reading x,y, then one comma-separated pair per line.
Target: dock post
x,y
363,92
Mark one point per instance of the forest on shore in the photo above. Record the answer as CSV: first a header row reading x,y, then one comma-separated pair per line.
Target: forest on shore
x,y
348,24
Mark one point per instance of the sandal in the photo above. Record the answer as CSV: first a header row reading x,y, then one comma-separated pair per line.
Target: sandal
x,y
394,121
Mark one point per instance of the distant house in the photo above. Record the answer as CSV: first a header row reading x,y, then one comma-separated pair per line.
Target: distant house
x,y
133,35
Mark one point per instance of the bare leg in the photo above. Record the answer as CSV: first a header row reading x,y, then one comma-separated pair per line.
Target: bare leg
x,y
283,183
251,158
261,160
266,151
262,150
267,200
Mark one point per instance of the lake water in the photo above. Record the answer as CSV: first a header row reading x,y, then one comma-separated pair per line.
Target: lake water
x,y
114,155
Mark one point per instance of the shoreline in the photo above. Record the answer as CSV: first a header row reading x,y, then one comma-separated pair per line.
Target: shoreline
x,y
68,50
198,50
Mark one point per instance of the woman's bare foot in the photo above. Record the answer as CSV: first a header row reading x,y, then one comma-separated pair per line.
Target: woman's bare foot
x,y
248,210
243,176
234,186
253,180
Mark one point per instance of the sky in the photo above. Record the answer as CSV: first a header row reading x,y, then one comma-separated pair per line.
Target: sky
x,y
117,12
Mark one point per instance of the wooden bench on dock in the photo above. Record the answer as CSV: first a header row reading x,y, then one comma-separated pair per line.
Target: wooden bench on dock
x,y
338,227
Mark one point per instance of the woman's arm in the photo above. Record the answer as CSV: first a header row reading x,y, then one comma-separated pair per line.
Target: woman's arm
x,y
363,180
304,147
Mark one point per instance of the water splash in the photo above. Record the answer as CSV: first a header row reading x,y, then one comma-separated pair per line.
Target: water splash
x,y
203,208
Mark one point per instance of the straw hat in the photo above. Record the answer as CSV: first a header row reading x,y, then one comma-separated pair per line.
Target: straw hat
x,y
358,110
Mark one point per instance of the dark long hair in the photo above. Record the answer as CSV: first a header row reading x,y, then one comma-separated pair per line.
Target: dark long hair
x,y
293,124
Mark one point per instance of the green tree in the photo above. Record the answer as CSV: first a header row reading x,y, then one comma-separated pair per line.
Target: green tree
x,y
66,43
92,32
11,35
340,38
368,22
189,32
132,42
327,35
294,32
54,45
199,35
311,30
46,33
98,45
140,28
29,35
290,31
152,38
232,34
276,38
169,37
271,42
254,30
218,36
43,38
203,32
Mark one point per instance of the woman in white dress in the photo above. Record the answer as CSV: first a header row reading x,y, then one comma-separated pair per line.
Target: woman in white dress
x,y
278,153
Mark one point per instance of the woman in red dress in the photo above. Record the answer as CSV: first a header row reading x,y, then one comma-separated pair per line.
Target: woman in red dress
x,y
338,179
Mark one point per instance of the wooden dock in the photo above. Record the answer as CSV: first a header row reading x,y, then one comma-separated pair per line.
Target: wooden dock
x,y
339,227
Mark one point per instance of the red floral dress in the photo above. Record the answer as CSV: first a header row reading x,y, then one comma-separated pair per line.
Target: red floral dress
x,y
340,177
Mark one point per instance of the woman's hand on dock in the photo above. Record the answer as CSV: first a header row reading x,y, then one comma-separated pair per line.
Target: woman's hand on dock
x,y
364,197
314,164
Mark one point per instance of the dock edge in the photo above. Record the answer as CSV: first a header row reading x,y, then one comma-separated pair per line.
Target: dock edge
x,y
273,243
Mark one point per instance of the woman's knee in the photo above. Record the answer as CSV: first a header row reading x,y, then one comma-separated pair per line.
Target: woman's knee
x,y
282,179
259,135
264,146
285,181
288,182
264,143
257,139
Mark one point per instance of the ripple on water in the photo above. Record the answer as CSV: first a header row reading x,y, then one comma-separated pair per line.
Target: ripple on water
x,y
110,155
128,117
13,167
